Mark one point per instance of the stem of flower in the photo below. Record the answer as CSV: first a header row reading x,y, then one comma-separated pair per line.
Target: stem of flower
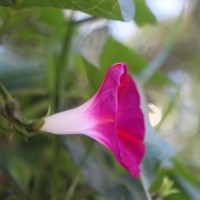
x,y
144,184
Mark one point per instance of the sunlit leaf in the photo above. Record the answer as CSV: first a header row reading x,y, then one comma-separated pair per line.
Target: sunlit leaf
x,y
143,15
111,9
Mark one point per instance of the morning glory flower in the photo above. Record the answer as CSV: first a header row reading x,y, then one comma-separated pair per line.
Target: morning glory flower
x,y
112,117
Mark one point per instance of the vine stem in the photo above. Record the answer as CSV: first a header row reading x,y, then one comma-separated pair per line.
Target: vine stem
x,y
58,100
56,168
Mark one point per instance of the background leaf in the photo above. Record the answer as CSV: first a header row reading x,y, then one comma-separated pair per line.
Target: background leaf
x,y
115,51
97,170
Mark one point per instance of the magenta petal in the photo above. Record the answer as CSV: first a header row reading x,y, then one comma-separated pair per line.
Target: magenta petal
x,y
130,125
121,124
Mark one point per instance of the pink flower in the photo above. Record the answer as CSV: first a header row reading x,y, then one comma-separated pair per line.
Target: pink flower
x,y
112,117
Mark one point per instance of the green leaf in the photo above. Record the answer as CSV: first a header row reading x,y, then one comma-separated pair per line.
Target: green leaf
x,y
177,193
111,9
37,26
115,51
29,157
143,15
184,176
95,76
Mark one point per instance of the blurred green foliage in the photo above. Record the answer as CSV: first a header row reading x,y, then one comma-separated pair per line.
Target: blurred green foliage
x,y
49,58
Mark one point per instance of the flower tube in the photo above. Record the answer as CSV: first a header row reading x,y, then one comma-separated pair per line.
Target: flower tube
x,y
112,116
